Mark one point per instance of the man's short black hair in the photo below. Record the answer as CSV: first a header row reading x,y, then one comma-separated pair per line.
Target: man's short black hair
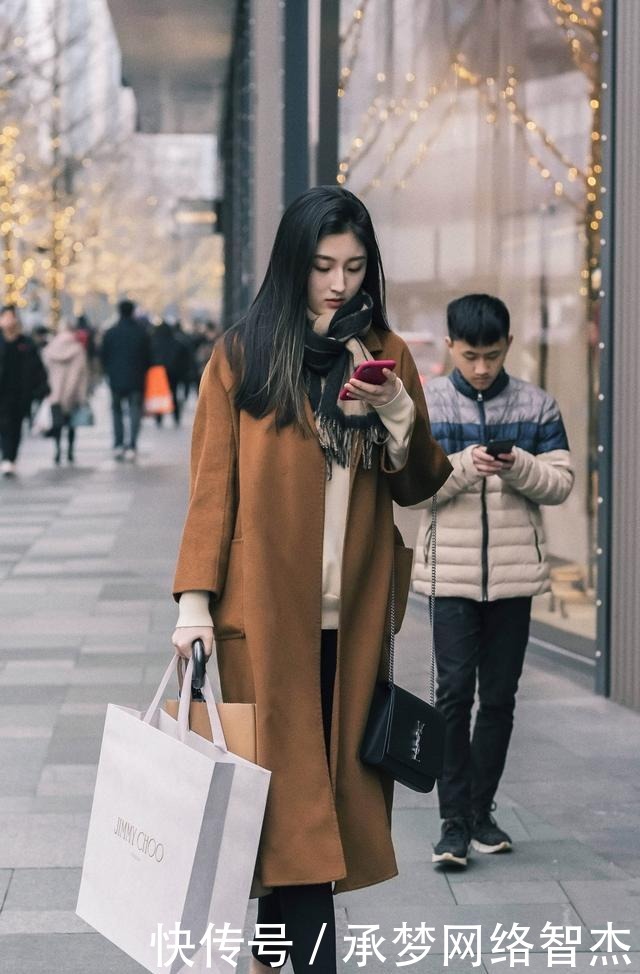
x,y
126,308
478,319
8,307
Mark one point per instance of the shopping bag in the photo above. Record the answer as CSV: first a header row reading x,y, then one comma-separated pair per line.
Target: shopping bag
x,y
82,415
157,392
173,835
42,424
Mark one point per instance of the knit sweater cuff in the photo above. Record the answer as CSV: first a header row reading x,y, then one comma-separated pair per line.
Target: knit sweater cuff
x,y
399,417
194,610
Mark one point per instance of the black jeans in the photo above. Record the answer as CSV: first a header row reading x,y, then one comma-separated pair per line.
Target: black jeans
x,y
483,642
133,401
11,417
303,909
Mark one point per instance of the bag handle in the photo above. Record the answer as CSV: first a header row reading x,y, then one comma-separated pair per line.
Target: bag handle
x,y
185,700
431,685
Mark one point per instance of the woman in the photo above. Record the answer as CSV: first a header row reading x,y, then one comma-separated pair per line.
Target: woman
x,y
68,369
288,549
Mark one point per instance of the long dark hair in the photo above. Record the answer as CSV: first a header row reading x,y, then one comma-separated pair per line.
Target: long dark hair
x,y
267,345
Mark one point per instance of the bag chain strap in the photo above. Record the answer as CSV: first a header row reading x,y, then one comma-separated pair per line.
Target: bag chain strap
x,y
431,685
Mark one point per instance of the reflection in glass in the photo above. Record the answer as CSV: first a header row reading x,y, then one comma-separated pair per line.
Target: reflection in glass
x,y
471,128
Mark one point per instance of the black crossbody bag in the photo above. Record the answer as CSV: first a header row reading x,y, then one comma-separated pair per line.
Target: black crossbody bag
x,y
404,736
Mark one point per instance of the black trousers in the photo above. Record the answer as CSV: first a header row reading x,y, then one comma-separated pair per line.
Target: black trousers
x,y
11,417
479,643
303,909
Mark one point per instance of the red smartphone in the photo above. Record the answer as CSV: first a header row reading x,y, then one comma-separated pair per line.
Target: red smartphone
x,y
370,371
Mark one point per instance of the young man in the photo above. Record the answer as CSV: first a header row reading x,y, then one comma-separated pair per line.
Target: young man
x,y
22,379
490,558
126,356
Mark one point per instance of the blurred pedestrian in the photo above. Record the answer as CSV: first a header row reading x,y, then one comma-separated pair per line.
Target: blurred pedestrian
x,y
23,379
126,356
291,504
68,368
169,350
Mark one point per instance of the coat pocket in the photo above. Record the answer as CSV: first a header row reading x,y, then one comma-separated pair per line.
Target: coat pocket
x,y
402,566
228,611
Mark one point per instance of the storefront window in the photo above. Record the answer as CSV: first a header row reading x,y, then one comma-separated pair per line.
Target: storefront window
x,y
471,130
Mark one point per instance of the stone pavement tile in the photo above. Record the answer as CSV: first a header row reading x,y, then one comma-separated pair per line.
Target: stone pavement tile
x,y
15,804
83,709
600,900
32,673
553,859
40,922
69,779
537,825
42,840
5,879
539,964
83,588
85,953
20,765
391,915
599,814
50,624
117,675
48,889
69,567
107,607
84,545
34,650
134,591
125,695
569,790
618,845
61,804
19,718
113,653
21,693
122,659
417,889
535,891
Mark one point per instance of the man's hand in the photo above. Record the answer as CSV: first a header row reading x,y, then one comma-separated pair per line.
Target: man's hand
x,y
486,465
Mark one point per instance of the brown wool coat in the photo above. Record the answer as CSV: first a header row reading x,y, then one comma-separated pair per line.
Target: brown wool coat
x,y
253,536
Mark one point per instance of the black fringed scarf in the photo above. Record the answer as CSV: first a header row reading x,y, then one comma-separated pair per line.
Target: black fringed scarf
x,y
332,350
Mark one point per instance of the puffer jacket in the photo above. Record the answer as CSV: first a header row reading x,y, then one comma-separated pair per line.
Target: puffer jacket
x,y
490,535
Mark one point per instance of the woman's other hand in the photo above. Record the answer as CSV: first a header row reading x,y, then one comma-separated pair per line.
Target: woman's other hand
x,y
375,395
184,637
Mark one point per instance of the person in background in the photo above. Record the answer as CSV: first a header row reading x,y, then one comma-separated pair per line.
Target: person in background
x,y
67,365
291,504
491,558
171,351
126,356
22,380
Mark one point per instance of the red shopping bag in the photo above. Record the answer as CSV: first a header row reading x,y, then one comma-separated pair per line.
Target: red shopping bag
x,y
157,392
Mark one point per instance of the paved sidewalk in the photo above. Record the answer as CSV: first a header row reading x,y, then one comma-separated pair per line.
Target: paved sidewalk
x,y
86,560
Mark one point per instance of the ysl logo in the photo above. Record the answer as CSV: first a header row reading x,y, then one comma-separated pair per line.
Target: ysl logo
x,y
417,740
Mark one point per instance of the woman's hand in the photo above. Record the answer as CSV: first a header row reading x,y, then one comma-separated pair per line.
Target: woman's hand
x,y
375,395
184,637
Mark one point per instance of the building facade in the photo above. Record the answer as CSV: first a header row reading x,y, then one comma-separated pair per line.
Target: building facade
x,y
492,142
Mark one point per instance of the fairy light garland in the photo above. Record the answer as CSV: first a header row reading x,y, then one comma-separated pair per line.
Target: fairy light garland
x,y
354,30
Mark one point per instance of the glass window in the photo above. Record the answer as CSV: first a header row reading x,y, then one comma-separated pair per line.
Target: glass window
x,y
471,130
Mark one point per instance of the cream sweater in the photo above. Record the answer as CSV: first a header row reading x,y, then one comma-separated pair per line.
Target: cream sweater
x,y
398,416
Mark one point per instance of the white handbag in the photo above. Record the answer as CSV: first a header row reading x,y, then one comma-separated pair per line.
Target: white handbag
x,y
173,835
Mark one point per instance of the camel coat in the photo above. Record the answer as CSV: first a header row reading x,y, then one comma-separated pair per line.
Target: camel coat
x,y
253,537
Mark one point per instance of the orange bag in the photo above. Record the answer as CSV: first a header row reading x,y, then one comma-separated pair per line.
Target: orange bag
x,y
157,392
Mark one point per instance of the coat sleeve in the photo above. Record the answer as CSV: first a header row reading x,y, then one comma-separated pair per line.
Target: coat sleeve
x,y
426,467
544,479
211,514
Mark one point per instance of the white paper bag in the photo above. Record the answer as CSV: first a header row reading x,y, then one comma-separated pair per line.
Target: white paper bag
x,y
173,836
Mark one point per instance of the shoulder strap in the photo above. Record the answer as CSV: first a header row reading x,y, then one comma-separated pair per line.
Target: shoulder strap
x,y
431,684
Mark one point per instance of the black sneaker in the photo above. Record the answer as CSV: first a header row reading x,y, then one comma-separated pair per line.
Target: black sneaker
x,y
454,843
487,836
